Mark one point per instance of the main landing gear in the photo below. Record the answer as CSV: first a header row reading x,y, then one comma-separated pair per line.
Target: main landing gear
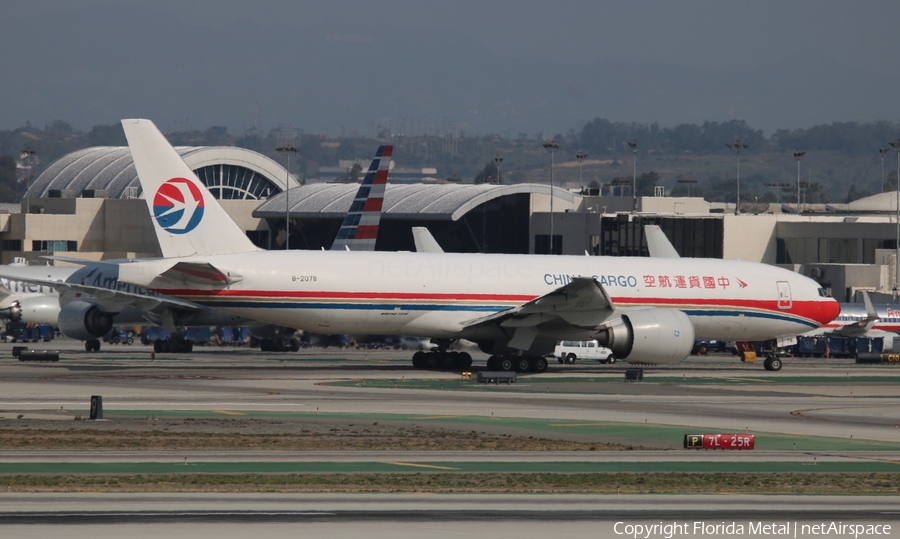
x,y
170,345
279,345
441,359
517,363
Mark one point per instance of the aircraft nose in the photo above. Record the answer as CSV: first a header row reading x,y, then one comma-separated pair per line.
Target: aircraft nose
x,y
828,311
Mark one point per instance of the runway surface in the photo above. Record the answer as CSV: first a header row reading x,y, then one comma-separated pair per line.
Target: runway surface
x,y
404,515
849,415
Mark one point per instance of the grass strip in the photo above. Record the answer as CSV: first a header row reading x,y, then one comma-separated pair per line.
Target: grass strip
x,y
609,483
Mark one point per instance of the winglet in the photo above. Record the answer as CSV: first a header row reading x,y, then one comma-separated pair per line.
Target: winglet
x,y
658,244
871,313
359,230
425,242
187,218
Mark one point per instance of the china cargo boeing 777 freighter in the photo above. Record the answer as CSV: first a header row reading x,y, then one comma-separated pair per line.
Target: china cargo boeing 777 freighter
x,y
513,306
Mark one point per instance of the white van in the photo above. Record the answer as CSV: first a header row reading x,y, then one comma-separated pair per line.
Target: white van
x,y
572,351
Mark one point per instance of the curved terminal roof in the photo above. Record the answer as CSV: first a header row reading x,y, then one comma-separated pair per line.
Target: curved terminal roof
x,y
881,202
110,168
401,201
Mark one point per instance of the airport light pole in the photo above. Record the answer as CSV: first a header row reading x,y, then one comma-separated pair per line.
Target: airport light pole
x,y
896,147
633,146
798,155
27,155
497,161
737,147
287,150
778,187
690,185
551,147
581,155
882,151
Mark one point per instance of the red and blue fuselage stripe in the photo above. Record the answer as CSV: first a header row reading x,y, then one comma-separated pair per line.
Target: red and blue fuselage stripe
x,y
480,303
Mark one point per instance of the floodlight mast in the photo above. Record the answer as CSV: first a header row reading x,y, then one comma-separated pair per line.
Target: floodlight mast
x,y
287,150
737,147
580,156
551,147
28,155
633,146
798,155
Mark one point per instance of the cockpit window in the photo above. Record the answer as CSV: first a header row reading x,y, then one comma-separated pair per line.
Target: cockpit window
x,y
823,293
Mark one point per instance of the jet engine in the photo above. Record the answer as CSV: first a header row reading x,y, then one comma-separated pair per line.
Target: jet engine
x,y
37,309
84,321
652,336
13,313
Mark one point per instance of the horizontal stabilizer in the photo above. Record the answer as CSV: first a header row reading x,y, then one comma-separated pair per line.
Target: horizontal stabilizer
x,y
201,273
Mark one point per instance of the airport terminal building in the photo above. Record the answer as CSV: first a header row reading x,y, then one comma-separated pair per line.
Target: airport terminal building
x,y
88,205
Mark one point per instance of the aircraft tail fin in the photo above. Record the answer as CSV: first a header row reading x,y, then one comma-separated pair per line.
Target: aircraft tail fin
x,y
359,230
187,218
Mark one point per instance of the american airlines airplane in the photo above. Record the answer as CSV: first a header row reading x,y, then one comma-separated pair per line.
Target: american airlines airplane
x,y
513,306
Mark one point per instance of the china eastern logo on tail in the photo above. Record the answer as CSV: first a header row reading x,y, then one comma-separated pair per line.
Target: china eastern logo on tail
x,y
178,206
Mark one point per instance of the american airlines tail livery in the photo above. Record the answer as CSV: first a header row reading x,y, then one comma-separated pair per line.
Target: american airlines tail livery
x,y
513,306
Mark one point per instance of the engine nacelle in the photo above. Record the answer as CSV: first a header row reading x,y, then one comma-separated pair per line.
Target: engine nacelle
x,y
38,309
652,336
13,313
84,321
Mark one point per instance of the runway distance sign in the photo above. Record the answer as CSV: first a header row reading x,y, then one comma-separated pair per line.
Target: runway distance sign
x,y
718,441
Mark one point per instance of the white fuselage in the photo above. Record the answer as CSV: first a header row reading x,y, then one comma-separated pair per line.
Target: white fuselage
x,y
437,295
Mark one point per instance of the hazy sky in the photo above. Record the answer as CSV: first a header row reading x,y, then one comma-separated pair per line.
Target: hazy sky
x,y
482,66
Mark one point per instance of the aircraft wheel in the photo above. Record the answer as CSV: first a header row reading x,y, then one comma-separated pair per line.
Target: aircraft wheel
x,y
448,360
465,360
523,364
418,359
295,345
431,360
540,364
772,364
506,364
96,345
88,346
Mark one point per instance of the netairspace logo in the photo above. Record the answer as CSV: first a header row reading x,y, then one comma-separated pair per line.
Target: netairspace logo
x,y
668,530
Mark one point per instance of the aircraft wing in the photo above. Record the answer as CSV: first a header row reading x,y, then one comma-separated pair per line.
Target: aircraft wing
x,y
114,300
858,329
583,303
